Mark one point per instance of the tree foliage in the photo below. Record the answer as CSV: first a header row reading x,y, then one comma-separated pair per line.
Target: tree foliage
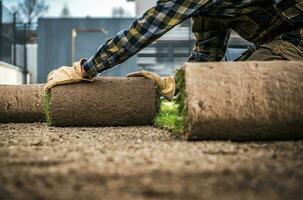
x,y
65,11
30,10
120,12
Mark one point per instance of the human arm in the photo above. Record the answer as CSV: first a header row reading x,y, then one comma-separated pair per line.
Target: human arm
x,y
152,25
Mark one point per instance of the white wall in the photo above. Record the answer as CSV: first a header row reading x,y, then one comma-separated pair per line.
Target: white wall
x,y
144,5
10,75
32,60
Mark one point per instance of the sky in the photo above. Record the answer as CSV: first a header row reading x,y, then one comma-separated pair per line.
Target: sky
x,y
82,8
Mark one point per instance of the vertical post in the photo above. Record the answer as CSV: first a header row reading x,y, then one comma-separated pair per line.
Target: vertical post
x,y
189,36
14,39
25,55
1,31
74,36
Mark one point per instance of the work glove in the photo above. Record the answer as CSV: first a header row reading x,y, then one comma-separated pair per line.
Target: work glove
x,y
167,85
66,75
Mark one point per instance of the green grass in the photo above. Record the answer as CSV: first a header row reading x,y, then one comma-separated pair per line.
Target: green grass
x,y
46,102
168,117
172,115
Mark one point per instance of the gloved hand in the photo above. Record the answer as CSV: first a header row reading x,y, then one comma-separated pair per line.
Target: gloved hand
x,y
167,85
66,75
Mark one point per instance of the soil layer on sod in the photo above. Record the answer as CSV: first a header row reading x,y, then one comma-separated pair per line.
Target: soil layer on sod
x,y
23,103
40,162
237,101
104,102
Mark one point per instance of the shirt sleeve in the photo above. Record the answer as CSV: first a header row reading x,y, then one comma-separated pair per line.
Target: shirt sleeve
x,y
211,39
152,25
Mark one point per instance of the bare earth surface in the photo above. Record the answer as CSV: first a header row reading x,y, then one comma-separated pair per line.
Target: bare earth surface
x,y
39,162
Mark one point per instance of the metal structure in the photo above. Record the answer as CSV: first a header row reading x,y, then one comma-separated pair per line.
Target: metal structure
x,y
76,34
63,41
12,34
25,71
1,30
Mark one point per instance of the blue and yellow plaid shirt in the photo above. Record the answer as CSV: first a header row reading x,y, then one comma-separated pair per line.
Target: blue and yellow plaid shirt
x,y
258,21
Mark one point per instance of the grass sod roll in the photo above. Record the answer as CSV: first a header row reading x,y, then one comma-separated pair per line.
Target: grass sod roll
x,y
237,101
104,102
21,104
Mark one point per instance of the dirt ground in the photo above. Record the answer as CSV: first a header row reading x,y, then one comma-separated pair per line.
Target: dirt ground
x,y
40,162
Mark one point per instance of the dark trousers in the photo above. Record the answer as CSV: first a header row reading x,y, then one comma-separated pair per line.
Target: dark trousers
x,y
277,49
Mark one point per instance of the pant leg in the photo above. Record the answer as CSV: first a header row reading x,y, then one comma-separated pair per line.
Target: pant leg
x,y
277,50
211,39
264,54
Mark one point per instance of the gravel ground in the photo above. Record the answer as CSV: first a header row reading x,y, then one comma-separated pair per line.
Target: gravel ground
x,y
40,162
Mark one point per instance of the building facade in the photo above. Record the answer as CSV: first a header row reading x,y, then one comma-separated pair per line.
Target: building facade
x,y
62,41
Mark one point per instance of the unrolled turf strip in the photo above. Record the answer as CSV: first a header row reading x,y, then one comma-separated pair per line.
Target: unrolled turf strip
x,y
21,104
244,100
104,102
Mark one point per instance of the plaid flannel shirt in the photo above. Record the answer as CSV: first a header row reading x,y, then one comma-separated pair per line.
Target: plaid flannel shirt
x,y
258,21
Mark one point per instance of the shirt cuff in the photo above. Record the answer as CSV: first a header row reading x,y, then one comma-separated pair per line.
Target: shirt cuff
x,y
90,68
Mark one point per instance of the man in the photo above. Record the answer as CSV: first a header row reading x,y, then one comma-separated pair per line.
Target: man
x,y
274,26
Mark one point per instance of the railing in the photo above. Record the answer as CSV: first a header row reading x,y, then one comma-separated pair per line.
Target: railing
x,y
14,35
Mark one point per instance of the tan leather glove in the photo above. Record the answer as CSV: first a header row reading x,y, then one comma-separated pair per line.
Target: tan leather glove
x,y
66,75
167,85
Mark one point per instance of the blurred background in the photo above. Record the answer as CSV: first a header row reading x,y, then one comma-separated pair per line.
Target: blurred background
x,y
38,36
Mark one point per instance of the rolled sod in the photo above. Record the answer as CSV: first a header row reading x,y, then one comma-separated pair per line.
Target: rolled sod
x,y
21,104
241,100
104,102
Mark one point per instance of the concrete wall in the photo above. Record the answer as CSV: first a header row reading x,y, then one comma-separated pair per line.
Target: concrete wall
x,y
55,42
10,75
